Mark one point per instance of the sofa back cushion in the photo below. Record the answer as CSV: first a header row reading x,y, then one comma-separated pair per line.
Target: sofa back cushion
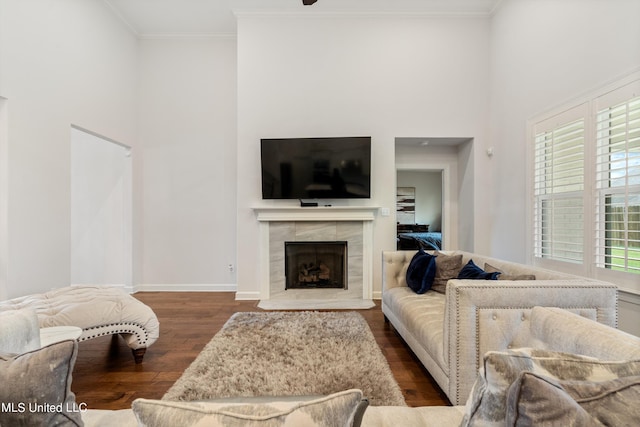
x,y
562,330
515,269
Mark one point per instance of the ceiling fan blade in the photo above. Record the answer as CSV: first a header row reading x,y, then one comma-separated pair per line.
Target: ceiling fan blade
x,y
308,2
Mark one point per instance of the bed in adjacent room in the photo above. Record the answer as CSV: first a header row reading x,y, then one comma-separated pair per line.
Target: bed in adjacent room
x,y
431,240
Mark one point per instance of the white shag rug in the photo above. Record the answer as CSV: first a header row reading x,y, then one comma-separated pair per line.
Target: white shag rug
x,y
290,354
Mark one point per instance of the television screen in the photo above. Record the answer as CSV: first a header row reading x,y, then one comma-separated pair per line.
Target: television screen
x,y
316,168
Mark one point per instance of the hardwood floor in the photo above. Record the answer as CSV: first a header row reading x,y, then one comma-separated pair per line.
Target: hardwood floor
x,y
106,377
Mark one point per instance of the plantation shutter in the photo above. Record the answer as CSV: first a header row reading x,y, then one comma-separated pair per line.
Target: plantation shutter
x,y
617,189
559,159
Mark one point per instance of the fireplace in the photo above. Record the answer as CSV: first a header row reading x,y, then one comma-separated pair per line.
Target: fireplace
x,y
351,224
315,265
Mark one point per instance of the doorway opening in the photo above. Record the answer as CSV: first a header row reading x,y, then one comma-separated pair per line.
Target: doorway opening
x,y
449,160
101,210
419,209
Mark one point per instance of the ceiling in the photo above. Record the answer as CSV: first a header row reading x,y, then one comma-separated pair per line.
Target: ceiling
x,y
217,17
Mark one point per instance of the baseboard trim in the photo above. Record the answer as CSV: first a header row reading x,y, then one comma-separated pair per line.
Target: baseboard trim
x,y
628,297
314,304
187,287
247,296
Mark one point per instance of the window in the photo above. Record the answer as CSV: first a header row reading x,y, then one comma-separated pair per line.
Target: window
x,y
559,189
586,183
618,186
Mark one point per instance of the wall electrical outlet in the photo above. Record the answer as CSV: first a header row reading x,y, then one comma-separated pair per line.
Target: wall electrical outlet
x,y
385,211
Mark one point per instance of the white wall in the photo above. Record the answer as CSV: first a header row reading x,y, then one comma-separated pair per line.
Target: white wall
x,y
544,54
4,172
61,63
188,134
324,75
428,202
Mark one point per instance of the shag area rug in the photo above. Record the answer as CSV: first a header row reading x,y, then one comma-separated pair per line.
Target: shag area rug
x,y
290,354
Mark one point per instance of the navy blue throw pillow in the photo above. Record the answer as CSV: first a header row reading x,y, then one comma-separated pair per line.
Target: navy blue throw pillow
x,y
472,271
421,271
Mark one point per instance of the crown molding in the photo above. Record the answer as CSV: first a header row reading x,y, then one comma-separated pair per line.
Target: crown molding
x,y
188,36
363,14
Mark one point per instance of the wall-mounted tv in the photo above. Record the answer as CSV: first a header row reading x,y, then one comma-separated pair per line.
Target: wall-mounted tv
x,y
316,168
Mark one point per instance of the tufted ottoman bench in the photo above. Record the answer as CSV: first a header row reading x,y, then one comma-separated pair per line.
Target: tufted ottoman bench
x,y
97,310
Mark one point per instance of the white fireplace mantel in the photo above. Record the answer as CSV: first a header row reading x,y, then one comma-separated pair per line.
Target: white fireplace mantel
x,y
320,213
267,214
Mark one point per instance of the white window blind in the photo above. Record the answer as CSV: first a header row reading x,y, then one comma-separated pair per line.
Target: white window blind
x,y
559,162
617,186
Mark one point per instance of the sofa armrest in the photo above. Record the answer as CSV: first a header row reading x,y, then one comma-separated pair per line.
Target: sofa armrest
x,y
481,316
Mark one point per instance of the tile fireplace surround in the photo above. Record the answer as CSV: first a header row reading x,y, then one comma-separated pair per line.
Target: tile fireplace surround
x,y
296,224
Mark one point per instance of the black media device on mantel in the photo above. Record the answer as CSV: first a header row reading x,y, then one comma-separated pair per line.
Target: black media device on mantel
x,y
316,168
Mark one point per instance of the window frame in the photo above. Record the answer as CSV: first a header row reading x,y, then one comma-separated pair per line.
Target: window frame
x,y
587,107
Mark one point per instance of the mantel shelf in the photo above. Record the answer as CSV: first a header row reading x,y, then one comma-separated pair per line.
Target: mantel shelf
x,y
320,213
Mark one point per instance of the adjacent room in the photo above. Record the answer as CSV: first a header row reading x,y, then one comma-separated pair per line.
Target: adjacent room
x,y
319,212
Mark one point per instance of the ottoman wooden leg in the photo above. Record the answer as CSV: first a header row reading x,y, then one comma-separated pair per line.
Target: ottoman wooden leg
x,y
138,354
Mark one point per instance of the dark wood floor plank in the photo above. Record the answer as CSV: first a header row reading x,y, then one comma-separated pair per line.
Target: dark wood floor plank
x,y
105,376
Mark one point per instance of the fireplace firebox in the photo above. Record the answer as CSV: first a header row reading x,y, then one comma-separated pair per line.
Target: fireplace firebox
x,y
311,265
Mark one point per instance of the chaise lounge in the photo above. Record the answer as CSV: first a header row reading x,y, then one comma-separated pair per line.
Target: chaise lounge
x,y
97,310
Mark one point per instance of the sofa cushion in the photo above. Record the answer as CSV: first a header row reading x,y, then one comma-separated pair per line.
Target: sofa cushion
x,y
534,399
423,416
338,409
421,272
487,402
36,386
422,316
472,271
506,276
447,267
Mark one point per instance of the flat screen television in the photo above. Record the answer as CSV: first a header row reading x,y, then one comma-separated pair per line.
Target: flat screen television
x,y
316,168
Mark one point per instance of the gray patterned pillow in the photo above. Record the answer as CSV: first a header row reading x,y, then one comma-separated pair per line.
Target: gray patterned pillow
x,y
487,403
331,411
36,386
447,267
575,403
491,269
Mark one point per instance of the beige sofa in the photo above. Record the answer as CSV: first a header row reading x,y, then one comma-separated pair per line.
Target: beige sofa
x,y
546,328
451,332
